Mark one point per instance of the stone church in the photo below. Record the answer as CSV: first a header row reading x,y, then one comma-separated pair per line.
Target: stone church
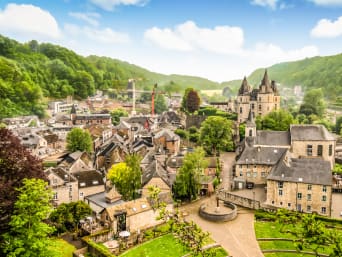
x,y
260,101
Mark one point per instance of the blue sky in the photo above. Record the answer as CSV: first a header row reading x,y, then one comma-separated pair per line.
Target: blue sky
x,y
217,39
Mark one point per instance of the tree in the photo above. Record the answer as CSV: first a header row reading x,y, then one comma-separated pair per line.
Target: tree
x,y
172,87
116,114
191,100
338,125
28,234
187,183
79,140
160,104
133,162
153,194
313,103
126,176
16,163
309,232
216,134
67,216
83,84
277,120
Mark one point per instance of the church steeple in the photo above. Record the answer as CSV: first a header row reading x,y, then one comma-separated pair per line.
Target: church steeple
x,y
245,87
250,130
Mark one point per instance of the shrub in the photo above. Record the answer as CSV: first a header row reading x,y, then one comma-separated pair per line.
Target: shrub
x,y
264,215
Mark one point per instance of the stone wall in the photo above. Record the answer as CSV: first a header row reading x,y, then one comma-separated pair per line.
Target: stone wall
x,y
239,200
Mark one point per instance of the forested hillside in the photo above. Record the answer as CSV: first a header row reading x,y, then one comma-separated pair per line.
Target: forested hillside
x,y
32,72
316,72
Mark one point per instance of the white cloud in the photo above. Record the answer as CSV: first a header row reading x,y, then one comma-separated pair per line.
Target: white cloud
x,y
270,53
106,35
166,38
109,5
28,21
327,2
188,36
90,18
327,29
266,3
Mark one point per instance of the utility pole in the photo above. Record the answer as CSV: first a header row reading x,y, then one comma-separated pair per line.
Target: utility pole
x,y
133,96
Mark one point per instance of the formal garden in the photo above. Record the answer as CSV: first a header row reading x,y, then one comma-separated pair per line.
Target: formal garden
x,y
170,239
289,234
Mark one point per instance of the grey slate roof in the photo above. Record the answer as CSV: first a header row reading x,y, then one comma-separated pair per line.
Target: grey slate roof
x,y
100,200
309,133
94,116
175,161
273,138
149,157
170,117
61,173
303,170
168,134
89,178
261,155
155,170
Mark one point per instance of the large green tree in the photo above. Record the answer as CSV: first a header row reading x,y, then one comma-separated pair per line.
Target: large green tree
x,y
126,176
186,186
67,216
160,104
79,140
216,134
29,235
191,100
16,164
313,102
116,114
277,120
338,125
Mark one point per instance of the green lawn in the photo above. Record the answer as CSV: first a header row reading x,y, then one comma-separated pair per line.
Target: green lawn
x,y
286,255
268,229
62,248
165,245
162,246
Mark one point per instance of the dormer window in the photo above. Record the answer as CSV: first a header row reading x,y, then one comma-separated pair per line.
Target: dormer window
x,y
82,184
95,182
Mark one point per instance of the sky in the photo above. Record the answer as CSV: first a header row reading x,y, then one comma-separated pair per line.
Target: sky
x,y
216,39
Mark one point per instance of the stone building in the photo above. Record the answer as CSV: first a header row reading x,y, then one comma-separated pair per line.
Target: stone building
x,y
312,141
63,185
295,165
303,184
130,216
260,100
89,182
166,140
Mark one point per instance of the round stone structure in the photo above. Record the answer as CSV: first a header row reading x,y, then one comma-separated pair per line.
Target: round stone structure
x,y
218,212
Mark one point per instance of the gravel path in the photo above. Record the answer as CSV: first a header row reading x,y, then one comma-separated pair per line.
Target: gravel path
x,y
237,236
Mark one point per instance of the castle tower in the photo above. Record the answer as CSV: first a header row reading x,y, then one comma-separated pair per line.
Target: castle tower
x,y
260,101
243,100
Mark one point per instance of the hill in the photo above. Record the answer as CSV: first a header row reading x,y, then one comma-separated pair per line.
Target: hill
x,y
317,72
31,72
